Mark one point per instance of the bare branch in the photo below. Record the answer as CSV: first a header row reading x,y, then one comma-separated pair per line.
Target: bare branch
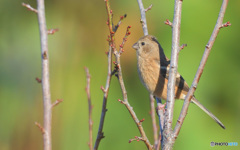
x,y
109,77
129,107
208,48
89,109
168,141
29,7
105,96
45,76
143,17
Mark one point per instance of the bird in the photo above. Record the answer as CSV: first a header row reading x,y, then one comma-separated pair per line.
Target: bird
x,y
153,70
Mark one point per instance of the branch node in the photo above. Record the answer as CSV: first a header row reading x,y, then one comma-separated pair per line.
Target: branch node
x,y
29,7
102,88
52,31
38,80
182,46
58,101
167,22
225,24
149,8
122,102
40,127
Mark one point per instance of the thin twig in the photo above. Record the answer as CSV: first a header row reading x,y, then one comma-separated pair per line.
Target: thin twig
x,y
100,135
208,48
89,109
47,105
154,124
29,7
168,141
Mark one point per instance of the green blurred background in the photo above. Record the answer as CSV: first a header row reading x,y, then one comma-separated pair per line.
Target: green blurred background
x,y
81,42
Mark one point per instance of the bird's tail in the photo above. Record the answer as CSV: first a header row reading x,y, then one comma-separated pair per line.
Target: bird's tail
x,y
195,101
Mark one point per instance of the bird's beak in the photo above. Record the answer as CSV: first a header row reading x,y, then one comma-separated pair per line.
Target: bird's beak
x,y
135,46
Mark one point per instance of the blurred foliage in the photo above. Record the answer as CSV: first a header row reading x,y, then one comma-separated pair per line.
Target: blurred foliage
x,y
81,42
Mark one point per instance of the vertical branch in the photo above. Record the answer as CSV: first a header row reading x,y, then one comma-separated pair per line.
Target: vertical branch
x,y
143,17
105,96
89,108
168,141
45,76
218,26
105,90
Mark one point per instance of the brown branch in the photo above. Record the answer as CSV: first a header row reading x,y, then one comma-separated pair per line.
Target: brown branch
x,y
168,140
58,101
118,70
208,48
100,135
89,108
29,7
154,124
128,106
47,106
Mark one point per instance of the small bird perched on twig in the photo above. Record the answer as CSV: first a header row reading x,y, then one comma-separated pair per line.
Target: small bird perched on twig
x,y
153,70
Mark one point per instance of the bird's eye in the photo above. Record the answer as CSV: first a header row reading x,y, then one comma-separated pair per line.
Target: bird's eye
x,y
143,43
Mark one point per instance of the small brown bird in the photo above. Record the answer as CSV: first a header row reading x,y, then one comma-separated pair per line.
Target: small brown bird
x,y
153,70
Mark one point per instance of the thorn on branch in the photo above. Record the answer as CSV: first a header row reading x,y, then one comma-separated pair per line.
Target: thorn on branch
x,y
38,80
29,7
226,24
58,101
167,22
40,127
149,8
182,46
52,31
